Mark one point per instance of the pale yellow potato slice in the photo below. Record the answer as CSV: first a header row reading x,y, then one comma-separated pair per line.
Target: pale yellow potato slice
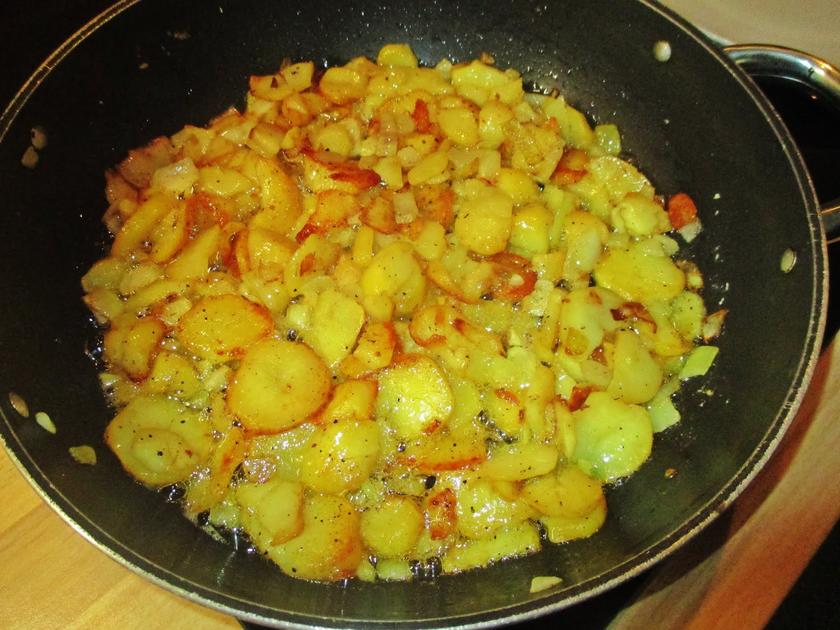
x,y
515,540
414,396
351,400
159,441
636,374
482,510
194,259
272,511
336,323
392,527
569,493
221,327
278,385
521,460
340,456
560,529
133,346
140,224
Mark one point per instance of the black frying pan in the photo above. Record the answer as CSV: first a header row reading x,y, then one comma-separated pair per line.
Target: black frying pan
x,y
694,124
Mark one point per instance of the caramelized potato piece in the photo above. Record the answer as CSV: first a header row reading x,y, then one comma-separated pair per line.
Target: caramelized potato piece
x,y
220,327
329,547
278,385
133,346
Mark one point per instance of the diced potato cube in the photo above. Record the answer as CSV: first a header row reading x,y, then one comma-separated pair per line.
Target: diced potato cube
x,y
342,84
299,75
430,168
518,185
530,231
390,170
483,224
336,139
396,55
459,125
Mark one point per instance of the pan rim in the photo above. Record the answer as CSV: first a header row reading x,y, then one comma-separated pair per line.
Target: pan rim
x,y
516,612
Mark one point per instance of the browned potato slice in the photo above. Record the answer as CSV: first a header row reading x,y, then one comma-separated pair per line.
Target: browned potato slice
x,y
138,227
170,235
194,259
352,400
340,456
278,384
374,350
279,195
273,511
133,346
329,548
220,327
159,441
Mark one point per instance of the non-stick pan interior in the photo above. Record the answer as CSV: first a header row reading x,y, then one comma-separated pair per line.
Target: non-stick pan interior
x,y
692,124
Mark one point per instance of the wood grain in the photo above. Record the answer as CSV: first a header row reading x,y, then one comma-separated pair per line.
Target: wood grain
x,y
732,576
52,578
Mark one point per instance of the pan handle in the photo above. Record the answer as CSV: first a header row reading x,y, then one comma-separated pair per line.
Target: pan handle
x,y
776,61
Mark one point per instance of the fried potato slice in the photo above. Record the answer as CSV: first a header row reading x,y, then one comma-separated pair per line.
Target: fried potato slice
x,y
220,327
278,385
158,440
329,548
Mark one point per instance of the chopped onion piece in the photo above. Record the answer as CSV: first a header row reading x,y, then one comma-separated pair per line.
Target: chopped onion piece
x,y
45,422
544,582
698,362
83,454
662,411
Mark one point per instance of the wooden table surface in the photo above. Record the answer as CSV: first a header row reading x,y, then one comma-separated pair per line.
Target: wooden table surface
x,y
734,575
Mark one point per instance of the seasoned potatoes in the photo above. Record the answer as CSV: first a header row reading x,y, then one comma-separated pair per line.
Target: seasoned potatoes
x,y
393,316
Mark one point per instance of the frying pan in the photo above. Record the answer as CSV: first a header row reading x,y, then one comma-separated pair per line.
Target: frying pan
x,y
693,124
